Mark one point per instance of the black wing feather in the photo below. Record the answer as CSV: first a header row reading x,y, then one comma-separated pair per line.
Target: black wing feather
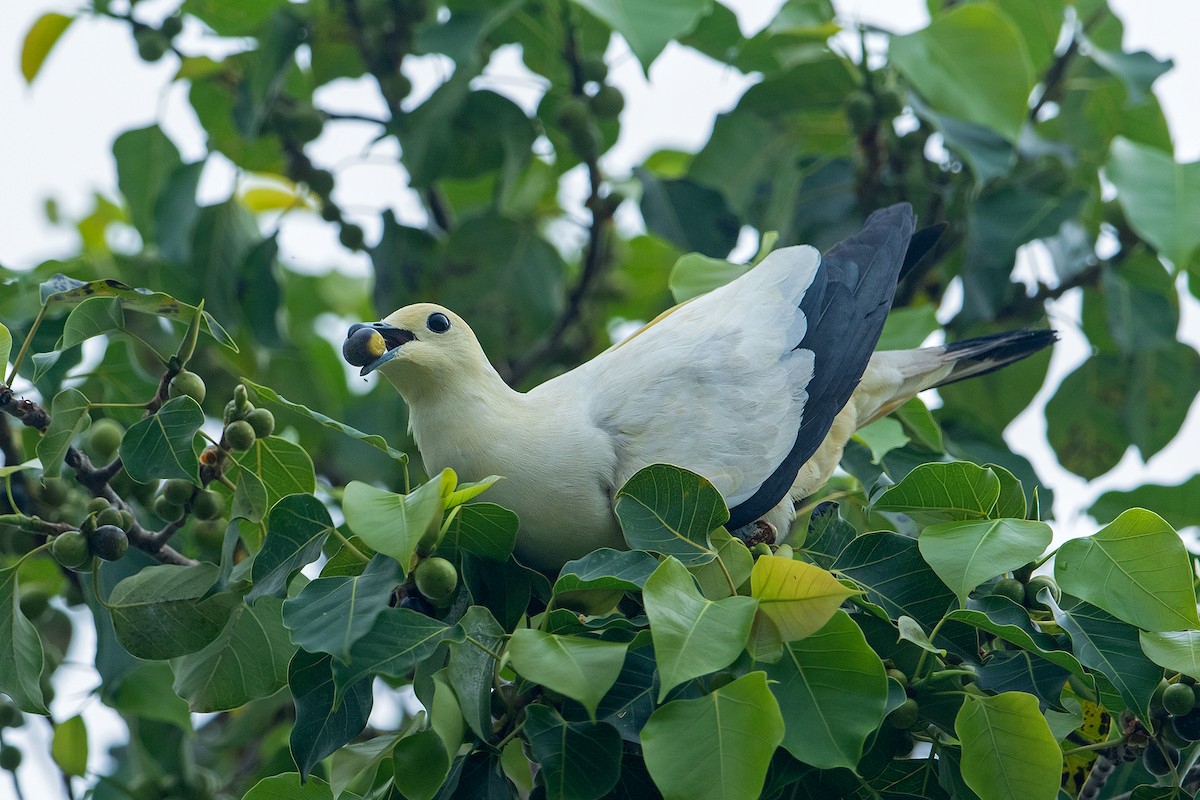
x,y
845,306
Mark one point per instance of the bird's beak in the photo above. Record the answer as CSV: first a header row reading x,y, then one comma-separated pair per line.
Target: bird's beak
x,y
394,338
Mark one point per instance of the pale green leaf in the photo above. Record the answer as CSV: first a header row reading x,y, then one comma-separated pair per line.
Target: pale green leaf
x,y
1008,751
965,554
582,669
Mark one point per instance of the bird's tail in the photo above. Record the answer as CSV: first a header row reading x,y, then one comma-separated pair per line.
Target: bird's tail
x,y
985,354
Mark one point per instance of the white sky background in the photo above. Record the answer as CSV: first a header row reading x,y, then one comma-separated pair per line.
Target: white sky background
x,y
56,140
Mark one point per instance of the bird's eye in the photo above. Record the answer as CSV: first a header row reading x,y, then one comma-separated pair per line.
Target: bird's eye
x,y
438,322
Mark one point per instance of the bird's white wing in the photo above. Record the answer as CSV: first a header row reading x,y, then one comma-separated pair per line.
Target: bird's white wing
x,y
741,385
716,386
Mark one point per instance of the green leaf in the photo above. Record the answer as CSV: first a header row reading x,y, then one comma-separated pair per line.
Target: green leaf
x,y
987,153
70,746
1177,651
485,529
832,690
145,691
1009,752
161,445
1006,620
91,318
971,64
146,159
799,598
690,216
726,739
289,786
827,536
394,523
882,437
21,656
579,760
923,428
908,327
397,642
321,726
359,762
596,582
965,554
466,492
1137,569
165,611
1011,503
668,510
582,669
942,492
692,635
250,497
68,417
419,765
890,568
297,528
5,347
648,27
248,660
63,292
1160,198
374,440
471,667
283,467
1110,647
331,614
695,274
40,40
1019,671
723,575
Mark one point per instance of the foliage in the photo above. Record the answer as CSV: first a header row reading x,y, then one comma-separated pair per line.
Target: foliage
x,y
900,646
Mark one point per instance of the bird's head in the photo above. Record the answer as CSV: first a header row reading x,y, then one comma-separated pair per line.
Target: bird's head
x,y
417,348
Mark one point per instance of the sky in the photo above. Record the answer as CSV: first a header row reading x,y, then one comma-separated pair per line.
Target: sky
x,y
57,138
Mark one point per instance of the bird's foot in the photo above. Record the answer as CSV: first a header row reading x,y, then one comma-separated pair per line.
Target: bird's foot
x,y
756,532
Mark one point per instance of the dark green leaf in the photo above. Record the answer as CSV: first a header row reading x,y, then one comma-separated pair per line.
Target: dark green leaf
x,y
1019,671
166,611
161,445
579,760
296,530
395,643
828,535
90,318
145,160
21,656
248,660
736,728
484,529
283,467
832,691
648,28
668,510
1005,619
1110,647
331,614
472,666
322,727
691,216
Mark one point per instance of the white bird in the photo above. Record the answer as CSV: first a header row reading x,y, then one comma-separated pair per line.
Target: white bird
x,y
757,385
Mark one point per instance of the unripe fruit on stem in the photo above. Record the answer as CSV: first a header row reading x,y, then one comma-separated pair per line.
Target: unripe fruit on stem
x,y
151,44
1011,588
168,512
177,491
351,236
207,505
436,578
860,111
104,439
239,435
1160,759
88,525
188,383
263,422
98,504
1178,699
112,516
34,601
10,758
593,69
71,549
11,716
784,551
898,675
905,715
1035,586
607,103
320,181
109,542
54,491
1188,725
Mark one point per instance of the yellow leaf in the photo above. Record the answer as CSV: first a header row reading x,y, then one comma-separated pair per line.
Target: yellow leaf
x,y
270,198
798,597
40,40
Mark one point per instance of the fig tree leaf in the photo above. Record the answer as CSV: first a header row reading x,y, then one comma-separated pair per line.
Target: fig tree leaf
x,y
321,726
394,523
297,528
736,727
648,28
21,657
668,510
330,614
1009,752
161,445
943,492
165,611
965,554
68,418
800,598
582,669
579,760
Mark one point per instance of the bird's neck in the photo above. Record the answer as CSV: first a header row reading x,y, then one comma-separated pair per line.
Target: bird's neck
x,y
465,406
